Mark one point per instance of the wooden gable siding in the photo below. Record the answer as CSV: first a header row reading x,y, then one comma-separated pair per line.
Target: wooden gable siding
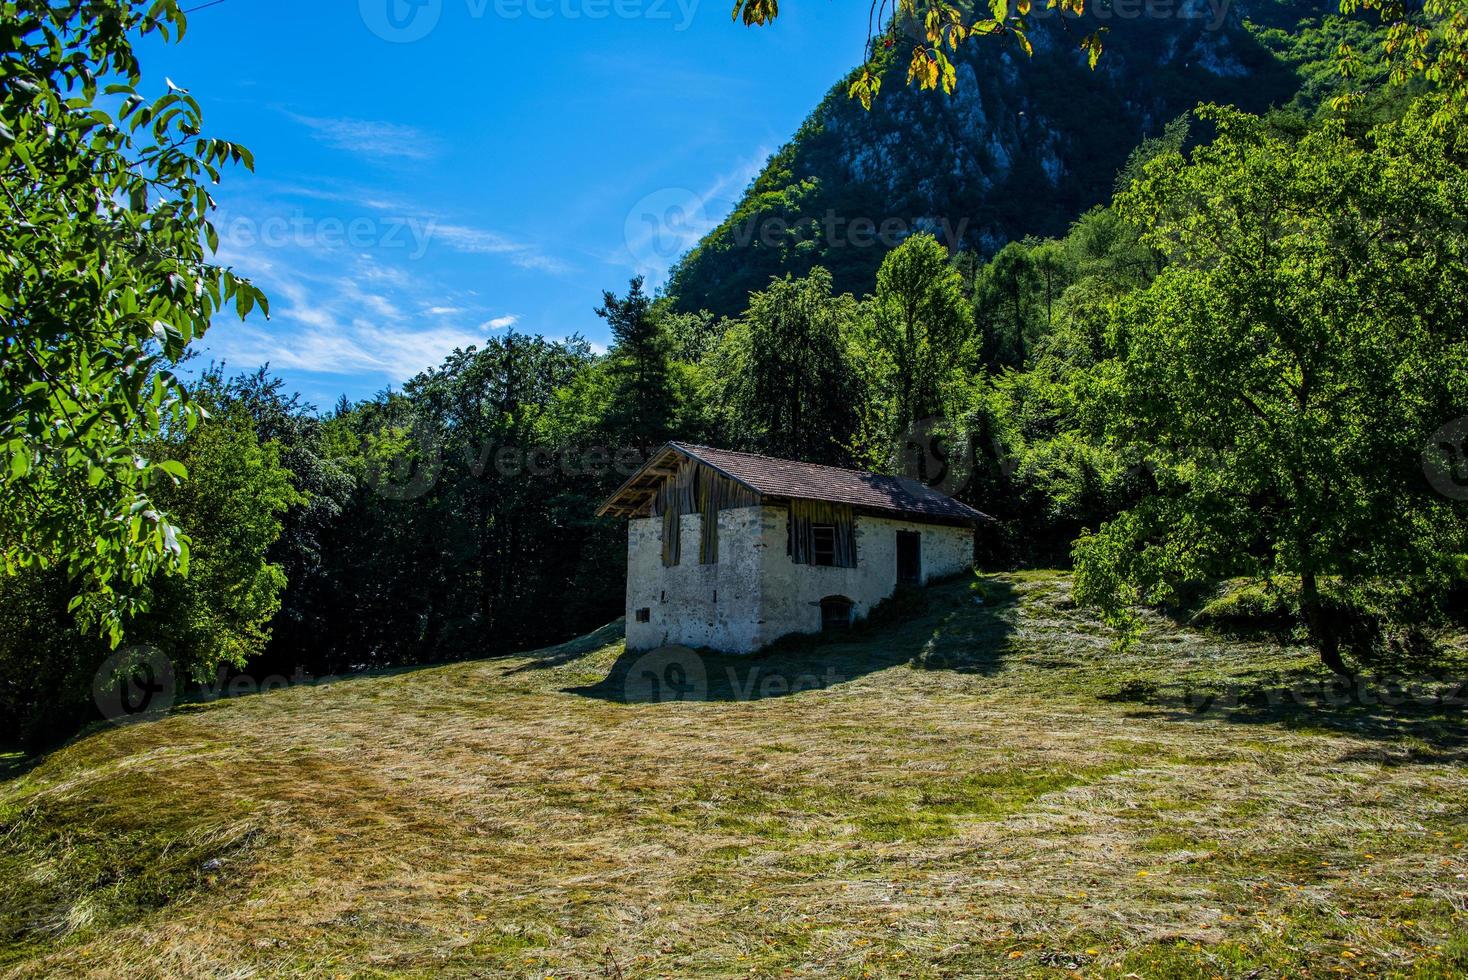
x,y
694,488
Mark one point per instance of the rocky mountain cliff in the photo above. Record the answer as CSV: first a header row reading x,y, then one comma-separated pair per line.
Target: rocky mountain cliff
x,y
1022,147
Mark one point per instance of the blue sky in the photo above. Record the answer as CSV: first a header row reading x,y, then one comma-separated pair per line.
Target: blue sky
x,y
430,172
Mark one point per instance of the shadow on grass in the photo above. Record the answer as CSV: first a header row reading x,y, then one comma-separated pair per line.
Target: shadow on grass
x,y
1425,719
974,636
15,762
960,626
564,653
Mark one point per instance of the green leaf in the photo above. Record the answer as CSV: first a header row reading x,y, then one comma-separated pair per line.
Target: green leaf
x,y
106,254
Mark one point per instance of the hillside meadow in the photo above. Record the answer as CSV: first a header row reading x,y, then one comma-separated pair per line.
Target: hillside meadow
x,y
983,786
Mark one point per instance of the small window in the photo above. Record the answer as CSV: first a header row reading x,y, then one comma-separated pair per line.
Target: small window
x,y
835,613
823,544
644,615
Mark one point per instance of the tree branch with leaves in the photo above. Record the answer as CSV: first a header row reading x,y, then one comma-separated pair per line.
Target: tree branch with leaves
x,y
936,28
105,279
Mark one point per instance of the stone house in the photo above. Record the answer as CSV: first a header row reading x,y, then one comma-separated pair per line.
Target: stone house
x,y
732,551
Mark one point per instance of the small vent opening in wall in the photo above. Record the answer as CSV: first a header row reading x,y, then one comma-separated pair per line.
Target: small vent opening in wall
x,y
644,615
836,612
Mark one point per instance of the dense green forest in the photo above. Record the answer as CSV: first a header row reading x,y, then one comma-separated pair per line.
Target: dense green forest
x,y
1241,364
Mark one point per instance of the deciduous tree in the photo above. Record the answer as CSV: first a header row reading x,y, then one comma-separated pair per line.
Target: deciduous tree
x,y
1284,374
920,322
783,375
105,279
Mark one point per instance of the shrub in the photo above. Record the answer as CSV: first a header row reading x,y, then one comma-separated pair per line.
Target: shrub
x,y
1244,606
1379,624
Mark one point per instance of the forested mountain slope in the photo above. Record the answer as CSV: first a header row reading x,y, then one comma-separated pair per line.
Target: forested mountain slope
x,y
1022,147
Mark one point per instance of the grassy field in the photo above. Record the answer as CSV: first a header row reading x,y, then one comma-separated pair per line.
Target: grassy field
x,y
986,788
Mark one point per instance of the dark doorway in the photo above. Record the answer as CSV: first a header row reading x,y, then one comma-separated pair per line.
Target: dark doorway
x,y
909,557
835,613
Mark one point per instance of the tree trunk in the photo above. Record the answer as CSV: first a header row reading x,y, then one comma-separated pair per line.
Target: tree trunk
x,y
1322,630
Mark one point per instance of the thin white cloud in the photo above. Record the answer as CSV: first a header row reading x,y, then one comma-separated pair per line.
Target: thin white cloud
x,y
332,321
665,224
344,309
344,347
480,241
390,225
462,238
540,263
369,200
370,137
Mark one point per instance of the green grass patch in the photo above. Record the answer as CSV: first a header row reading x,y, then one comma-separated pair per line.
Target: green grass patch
x,y
67,871
1169,842
986,788
936,810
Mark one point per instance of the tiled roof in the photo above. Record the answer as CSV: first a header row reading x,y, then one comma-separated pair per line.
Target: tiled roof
x,y
810,481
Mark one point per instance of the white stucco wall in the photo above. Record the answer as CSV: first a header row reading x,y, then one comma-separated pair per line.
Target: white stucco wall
x,y
793,593
946,550
695,605
761,594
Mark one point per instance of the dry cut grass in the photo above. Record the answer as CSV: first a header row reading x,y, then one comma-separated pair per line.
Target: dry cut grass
x,y
986,788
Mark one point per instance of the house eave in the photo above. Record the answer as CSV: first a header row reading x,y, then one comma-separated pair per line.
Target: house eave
x,y
633,496
645,481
